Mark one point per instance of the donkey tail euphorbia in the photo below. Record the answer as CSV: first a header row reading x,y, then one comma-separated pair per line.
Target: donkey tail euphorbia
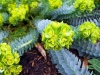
x,y
57,35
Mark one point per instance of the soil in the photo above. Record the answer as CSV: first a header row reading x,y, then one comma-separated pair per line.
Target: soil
x,y
34,64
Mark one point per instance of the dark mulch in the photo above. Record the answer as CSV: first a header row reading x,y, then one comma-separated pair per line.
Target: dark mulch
x,y
34,64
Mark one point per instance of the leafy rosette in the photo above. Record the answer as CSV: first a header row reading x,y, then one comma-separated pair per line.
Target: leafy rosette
x,y
57,35
84,5
89,31
9,60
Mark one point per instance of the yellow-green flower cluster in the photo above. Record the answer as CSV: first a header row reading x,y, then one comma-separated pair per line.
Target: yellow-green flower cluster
x,y
54,4
90,31
84,5
17,13
13,70
34,5
11,6
9,61
1,19
57,35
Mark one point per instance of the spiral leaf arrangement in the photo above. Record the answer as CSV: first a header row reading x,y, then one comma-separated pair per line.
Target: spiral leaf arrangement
x,y
57,35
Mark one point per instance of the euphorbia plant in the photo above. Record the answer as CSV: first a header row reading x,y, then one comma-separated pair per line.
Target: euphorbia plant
x,y
15,11
15,14
89,31
54,4
57,35
9,61
84,5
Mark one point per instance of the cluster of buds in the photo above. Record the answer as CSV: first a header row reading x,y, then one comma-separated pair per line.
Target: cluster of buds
x,y
57,35
9,61
84,5
89,31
